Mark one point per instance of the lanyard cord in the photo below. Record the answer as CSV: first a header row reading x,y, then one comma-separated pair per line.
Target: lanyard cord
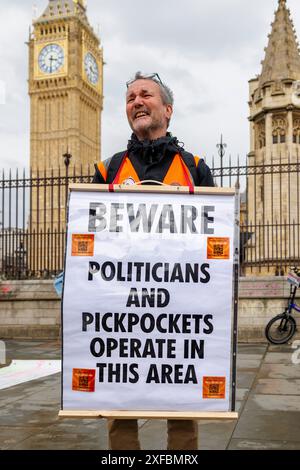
x,y
116,178
187,177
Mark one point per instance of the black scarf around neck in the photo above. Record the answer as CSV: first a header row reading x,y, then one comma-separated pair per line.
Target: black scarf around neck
x,y
152,151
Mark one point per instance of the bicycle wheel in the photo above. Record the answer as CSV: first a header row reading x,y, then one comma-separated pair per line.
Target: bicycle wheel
x,y
280,329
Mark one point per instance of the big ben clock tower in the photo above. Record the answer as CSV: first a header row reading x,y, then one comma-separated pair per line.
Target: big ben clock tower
x,y
65,87
66,100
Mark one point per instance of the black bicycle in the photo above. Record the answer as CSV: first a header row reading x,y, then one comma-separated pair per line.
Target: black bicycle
x,y
282,328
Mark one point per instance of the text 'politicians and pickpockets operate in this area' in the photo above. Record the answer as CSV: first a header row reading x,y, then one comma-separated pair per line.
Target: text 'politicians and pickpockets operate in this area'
x,y
147,302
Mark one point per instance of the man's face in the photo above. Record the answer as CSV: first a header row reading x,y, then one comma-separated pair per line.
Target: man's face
x,y
147,115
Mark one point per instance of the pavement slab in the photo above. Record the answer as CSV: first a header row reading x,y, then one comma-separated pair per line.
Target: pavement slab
x,y
281,348
279,371
68,441
247,348
247,444
268,425
278,358
248,364
30,415
278,387
245,379
215,435
241,394
153,435
273,403
268,402
86,426
13,435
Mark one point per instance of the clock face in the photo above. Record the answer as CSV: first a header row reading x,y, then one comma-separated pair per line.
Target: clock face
x,y
91,68
51,58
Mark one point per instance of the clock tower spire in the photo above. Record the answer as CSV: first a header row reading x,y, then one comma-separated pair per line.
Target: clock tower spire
x,y
275,142
66,100
65,87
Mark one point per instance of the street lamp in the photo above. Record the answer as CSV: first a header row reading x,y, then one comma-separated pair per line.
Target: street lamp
x,y
67,157
21,260
67,160
221,150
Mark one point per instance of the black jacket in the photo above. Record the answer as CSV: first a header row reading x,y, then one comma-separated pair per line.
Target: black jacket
x,y
152,159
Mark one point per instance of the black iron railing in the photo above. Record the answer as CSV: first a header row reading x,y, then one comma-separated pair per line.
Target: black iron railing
x,y
33,213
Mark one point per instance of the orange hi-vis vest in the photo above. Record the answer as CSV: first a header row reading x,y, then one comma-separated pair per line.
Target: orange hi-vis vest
x,y
178,173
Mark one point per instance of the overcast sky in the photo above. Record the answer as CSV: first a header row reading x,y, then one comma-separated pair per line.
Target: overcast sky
x,y
206,51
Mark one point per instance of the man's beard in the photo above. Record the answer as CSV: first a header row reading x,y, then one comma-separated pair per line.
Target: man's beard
x,y
146,130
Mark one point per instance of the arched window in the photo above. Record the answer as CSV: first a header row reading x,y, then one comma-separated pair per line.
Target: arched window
x,y
260,134
279,126
296,130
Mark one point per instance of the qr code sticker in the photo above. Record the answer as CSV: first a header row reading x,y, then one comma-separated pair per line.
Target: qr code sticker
x,y
218,250
214,389
83,247
83,381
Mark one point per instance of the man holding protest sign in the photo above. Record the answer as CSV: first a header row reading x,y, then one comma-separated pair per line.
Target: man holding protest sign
x,y
152,152
152,155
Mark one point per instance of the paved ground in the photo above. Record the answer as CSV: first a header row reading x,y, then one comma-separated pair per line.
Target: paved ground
x,y
268,403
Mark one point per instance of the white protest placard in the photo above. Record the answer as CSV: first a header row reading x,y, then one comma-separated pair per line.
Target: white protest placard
x,y
148,301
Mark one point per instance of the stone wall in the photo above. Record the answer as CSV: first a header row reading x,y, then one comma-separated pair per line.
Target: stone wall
x,y
260,299
31,309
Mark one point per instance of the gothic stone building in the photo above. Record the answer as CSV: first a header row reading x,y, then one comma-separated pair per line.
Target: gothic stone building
x,y
273,195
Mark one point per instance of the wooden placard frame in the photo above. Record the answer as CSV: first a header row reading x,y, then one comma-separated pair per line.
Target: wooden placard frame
x,y
186,415
133,188
140,414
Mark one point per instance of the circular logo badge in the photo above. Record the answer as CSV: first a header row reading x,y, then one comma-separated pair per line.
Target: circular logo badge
x,y
129,181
